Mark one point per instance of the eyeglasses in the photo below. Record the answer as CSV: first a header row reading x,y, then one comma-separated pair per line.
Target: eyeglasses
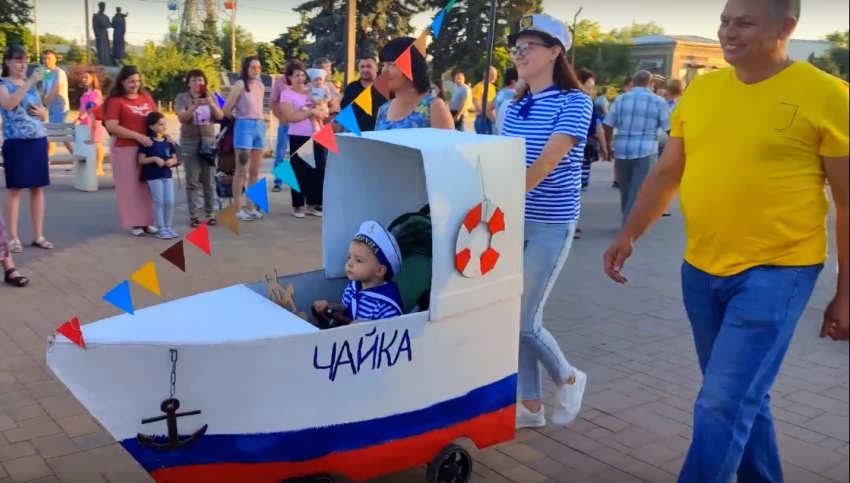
x,y
522,49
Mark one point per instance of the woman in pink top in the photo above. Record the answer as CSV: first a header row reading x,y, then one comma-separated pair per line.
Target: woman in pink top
x,y
245,104
91,99
296,108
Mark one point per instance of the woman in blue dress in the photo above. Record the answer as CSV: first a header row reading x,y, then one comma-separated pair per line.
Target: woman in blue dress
x,y
25,146
413,104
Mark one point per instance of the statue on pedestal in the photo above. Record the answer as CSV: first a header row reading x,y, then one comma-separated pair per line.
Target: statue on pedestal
x,y
119,28
101,25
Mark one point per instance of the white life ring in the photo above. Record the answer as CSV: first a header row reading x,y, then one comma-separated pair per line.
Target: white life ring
x,y
490,215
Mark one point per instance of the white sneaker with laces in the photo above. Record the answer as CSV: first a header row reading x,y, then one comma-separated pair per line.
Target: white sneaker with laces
x,y
255,214
568,400
528,419
242,216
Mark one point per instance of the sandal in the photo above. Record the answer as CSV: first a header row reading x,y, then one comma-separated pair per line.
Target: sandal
x,y
42,243
16,247
195,222
212,221
18,281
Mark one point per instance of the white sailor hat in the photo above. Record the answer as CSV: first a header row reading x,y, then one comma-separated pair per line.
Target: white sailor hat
x,y
382,244
545,26
314,73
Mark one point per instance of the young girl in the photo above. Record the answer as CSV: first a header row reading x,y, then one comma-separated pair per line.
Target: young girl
x,y
91,100
319,95
156,162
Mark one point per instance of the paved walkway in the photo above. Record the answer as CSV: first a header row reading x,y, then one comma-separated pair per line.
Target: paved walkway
x,y
633,341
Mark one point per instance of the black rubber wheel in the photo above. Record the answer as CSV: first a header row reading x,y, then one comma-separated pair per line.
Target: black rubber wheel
x,y
452,465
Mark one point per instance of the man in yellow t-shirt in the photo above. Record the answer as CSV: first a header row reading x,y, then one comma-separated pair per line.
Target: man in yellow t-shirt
x,y
750,150
482,124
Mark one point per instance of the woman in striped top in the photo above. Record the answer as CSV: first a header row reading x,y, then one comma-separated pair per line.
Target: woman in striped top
x,y
552,113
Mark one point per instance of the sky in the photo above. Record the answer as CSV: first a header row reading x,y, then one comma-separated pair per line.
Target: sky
x,y
266,19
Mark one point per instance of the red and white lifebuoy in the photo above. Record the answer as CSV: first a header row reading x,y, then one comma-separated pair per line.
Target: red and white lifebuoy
x,y
488,214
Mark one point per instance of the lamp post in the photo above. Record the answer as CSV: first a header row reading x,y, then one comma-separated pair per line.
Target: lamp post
x,y
575,26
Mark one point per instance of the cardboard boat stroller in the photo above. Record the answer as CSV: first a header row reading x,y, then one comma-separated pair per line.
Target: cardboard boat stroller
x,y
228,386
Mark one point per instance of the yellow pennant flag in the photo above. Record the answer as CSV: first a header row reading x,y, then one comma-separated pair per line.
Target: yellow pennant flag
x,y
420,42
146,277
227,218
364,101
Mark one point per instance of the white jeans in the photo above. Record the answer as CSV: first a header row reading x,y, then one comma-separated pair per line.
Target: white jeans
x,y
546,250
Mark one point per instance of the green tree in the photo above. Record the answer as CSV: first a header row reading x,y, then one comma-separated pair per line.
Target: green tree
x,y
501,61
589,32
17,35
75,54
271,57
294,42
378,21
245,46
205,42
463,36
15,12
53,39
836,60
608,60
164,68
637,30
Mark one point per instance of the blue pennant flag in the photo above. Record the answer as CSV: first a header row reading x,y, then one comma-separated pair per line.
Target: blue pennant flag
x,y
348,120
120,297
284,172
437,24
259,194
219,99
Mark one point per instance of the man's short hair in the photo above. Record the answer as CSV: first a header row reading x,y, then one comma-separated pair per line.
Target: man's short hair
x,y
782,9
371,57
642,78
50,52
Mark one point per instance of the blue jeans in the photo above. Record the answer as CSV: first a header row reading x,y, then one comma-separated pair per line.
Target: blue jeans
x,y
162,192
545,251
280,148
57,117
483,125
743,325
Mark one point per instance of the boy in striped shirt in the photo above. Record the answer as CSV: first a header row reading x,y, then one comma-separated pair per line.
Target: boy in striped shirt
x,y
373,259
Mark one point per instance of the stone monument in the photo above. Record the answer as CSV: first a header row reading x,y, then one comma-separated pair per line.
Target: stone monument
x,y
101,25
119,28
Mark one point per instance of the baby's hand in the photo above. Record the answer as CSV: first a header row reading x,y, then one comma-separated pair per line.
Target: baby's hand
x,y
320,306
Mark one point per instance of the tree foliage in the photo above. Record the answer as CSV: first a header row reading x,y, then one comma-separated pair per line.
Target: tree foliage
x,y
15,12
17,35
836,60
164,69
501,61
610,61
271,58
75,54
205,42
637,30
245,46
294,42
464,33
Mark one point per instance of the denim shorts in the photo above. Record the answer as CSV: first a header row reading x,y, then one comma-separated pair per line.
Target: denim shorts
x,y
249,134
57,117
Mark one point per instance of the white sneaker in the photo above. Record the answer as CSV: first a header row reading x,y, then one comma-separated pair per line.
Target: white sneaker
x,y
255,214
568,400
152,230
298,214
315,213
242,216
528,419
138,232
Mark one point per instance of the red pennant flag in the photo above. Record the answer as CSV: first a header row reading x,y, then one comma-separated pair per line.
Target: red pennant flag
x,y
326,138
175,256
200,237
403,63
73,332
382,84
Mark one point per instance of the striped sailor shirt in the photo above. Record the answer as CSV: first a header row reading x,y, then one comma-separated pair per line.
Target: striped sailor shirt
x,y
381,302
557,199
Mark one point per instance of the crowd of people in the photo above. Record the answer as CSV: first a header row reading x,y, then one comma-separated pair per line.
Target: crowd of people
x,y
756,237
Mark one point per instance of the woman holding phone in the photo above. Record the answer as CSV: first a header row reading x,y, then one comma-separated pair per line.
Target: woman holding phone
x,y
25,146
197,111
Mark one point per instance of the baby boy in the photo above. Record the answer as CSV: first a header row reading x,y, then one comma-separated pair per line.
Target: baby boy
x,y
319,94
373,259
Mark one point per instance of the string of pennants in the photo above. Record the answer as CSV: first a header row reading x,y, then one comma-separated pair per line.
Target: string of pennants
x,y
146,275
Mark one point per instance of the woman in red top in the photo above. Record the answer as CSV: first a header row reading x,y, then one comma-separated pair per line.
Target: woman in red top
x,y
127,108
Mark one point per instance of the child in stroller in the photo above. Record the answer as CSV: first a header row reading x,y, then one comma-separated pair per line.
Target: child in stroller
x,y
225,164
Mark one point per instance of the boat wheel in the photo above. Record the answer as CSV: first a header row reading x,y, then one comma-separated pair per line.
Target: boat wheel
x,y
452,465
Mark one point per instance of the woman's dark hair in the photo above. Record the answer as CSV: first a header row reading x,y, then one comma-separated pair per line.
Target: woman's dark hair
x,y
154,117
438,83
292,67
13,52
195,73
117,89
585,75
243,73
95,82
511,76
418,64
564,76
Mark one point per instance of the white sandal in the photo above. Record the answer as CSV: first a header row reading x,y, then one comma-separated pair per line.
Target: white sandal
x,y
15,246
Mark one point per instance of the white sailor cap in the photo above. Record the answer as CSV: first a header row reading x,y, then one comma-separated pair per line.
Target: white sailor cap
x,y
314,73
382,244
545,26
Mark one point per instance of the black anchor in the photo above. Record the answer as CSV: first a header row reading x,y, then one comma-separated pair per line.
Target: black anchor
x,y
170,407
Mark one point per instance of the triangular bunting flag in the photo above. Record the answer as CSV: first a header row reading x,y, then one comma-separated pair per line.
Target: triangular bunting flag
x,y
120,297
220,100
382,84
420,43
72,331
364,101
326,138
227,218
305,152
450,5
437,24
259,193
347,119
284,171
146,277
403,63
200,237
175,256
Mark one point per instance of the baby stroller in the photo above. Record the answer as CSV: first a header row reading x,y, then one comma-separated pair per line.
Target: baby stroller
x,y
225,164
